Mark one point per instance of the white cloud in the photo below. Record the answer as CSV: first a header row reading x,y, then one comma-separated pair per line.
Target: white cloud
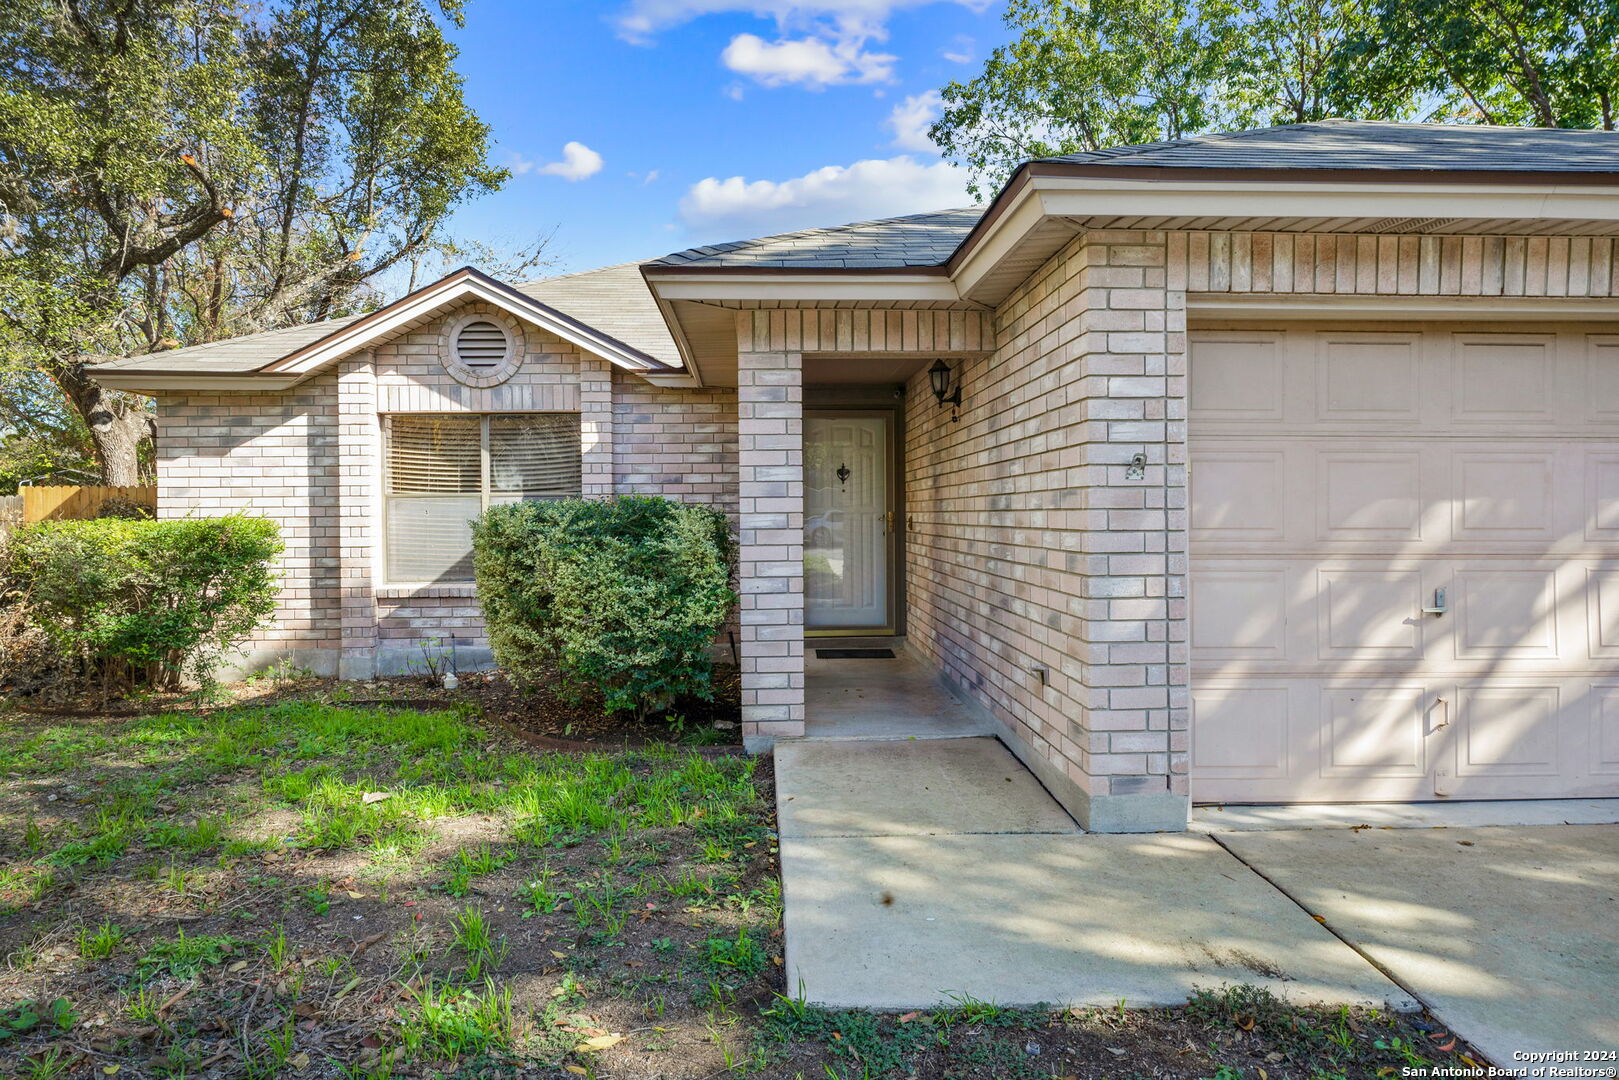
x,y
578,162
911,118
725,209
812,61
643,18
960,50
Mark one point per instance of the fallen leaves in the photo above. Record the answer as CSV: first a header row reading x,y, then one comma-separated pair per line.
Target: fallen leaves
x,y
599,1043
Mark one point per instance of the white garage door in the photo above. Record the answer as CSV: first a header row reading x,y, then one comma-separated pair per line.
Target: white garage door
x,y
1345,480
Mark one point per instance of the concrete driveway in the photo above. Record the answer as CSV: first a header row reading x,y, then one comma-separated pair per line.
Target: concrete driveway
x,y
1510,935
914,871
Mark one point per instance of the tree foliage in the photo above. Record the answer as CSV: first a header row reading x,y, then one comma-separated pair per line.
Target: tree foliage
x,y
1087,74
179,171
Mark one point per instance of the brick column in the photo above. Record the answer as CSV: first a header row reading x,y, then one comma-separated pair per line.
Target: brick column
x,y
1133,588
770,452
359,466
595,426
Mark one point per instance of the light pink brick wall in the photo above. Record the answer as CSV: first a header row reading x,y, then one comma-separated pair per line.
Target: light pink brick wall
x,y
271,455
311,458
675,442
1030,549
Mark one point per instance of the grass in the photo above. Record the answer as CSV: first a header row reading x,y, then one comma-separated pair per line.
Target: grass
x,y
316,890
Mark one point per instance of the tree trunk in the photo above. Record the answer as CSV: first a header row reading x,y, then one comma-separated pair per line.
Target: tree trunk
x,y
117,424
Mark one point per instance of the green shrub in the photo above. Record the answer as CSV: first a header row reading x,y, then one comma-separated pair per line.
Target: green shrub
x,y
623,596
144,602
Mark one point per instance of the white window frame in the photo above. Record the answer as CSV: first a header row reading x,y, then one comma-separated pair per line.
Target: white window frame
x,y
484,479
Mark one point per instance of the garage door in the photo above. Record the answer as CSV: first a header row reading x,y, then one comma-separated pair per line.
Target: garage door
x,y
1405,562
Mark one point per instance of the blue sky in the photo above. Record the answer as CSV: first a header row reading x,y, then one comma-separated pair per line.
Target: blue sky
x,y
638,127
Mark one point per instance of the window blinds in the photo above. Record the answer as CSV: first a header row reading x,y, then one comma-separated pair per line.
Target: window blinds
x,y
534,455
442,471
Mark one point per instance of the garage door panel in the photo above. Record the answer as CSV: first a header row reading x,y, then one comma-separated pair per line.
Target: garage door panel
x,y
1503,379
1503,496
1601,495
1600,360
1375,730
1369,496
1507,730
1240,732
1604,729
1239,496
1239,614
1601,586
1501,614
1369,613
1368,378
1238,375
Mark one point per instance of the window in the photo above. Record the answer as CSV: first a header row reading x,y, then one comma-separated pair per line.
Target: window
x,y
443,471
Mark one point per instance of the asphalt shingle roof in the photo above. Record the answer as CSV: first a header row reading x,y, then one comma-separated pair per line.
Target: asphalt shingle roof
x,y
613,300
889,243
1367,144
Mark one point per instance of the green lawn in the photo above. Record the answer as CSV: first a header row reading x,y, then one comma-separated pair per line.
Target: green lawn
x,y
309,890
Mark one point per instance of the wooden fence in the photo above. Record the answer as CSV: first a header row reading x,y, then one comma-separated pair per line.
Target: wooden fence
x,y
79,503
10,513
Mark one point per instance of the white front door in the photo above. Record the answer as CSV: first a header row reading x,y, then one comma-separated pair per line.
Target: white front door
x,y
846,521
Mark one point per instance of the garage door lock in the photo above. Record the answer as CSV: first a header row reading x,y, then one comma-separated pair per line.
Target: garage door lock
x,y
1439,607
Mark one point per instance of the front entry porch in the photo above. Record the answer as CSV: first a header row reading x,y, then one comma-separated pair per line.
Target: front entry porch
x,y
880,698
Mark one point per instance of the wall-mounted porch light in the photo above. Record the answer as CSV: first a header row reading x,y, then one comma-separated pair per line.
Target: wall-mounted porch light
x,y
939,375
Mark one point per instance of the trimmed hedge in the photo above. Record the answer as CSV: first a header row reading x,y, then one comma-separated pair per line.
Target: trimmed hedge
x,y
622,596
144,602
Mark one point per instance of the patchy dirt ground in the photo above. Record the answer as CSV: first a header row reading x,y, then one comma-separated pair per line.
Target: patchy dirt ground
x,y
544,712
307,888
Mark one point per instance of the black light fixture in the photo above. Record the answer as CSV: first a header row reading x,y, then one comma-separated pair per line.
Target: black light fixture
x,y
939,376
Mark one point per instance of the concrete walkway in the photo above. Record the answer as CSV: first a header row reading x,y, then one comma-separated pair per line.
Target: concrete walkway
x,y
1510,935
895,698
918,870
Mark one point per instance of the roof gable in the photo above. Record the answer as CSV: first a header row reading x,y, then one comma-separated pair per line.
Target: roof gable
x,y
464,284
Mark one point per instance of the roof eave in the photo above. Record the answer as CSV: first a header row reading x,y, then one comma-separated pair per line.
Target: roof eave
x,y
1041,193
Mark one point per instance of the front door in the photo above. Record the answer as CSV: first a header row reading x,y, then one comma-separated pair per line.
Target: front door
x,y
847,521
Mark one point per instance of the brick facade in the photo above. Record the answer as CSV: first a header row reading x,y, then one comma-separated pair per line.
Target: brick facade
x,y
312,459
1046,543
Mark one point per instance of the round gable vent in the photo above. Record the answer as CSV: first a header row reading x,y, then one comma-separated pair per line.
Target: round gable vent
x,y
481,346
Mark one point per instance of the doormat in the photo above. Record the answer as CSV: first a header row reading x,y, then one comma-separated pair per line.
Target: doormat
x,y
854,654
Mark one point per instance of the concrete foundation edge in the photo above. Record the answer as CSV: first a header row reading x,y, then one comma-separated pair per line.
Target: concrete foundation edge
x,y
1143,813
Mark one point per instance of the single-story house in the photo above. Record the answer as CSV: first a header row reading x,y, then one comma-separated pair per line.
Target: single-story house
x,y
1278,465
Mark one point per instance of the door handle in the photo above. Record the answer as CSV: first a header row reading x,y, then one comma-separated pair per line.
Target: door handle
x,y
1443,705
1439,606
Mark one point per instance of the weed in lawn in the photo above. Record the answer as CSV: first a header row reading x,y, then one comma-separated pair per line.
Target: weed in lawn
x,y
177,879
478,944
102,942
33,837
48,1065
540,897
472,863
448,1021
741,954
277,951
201,835
318,898
183,957
27,1016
